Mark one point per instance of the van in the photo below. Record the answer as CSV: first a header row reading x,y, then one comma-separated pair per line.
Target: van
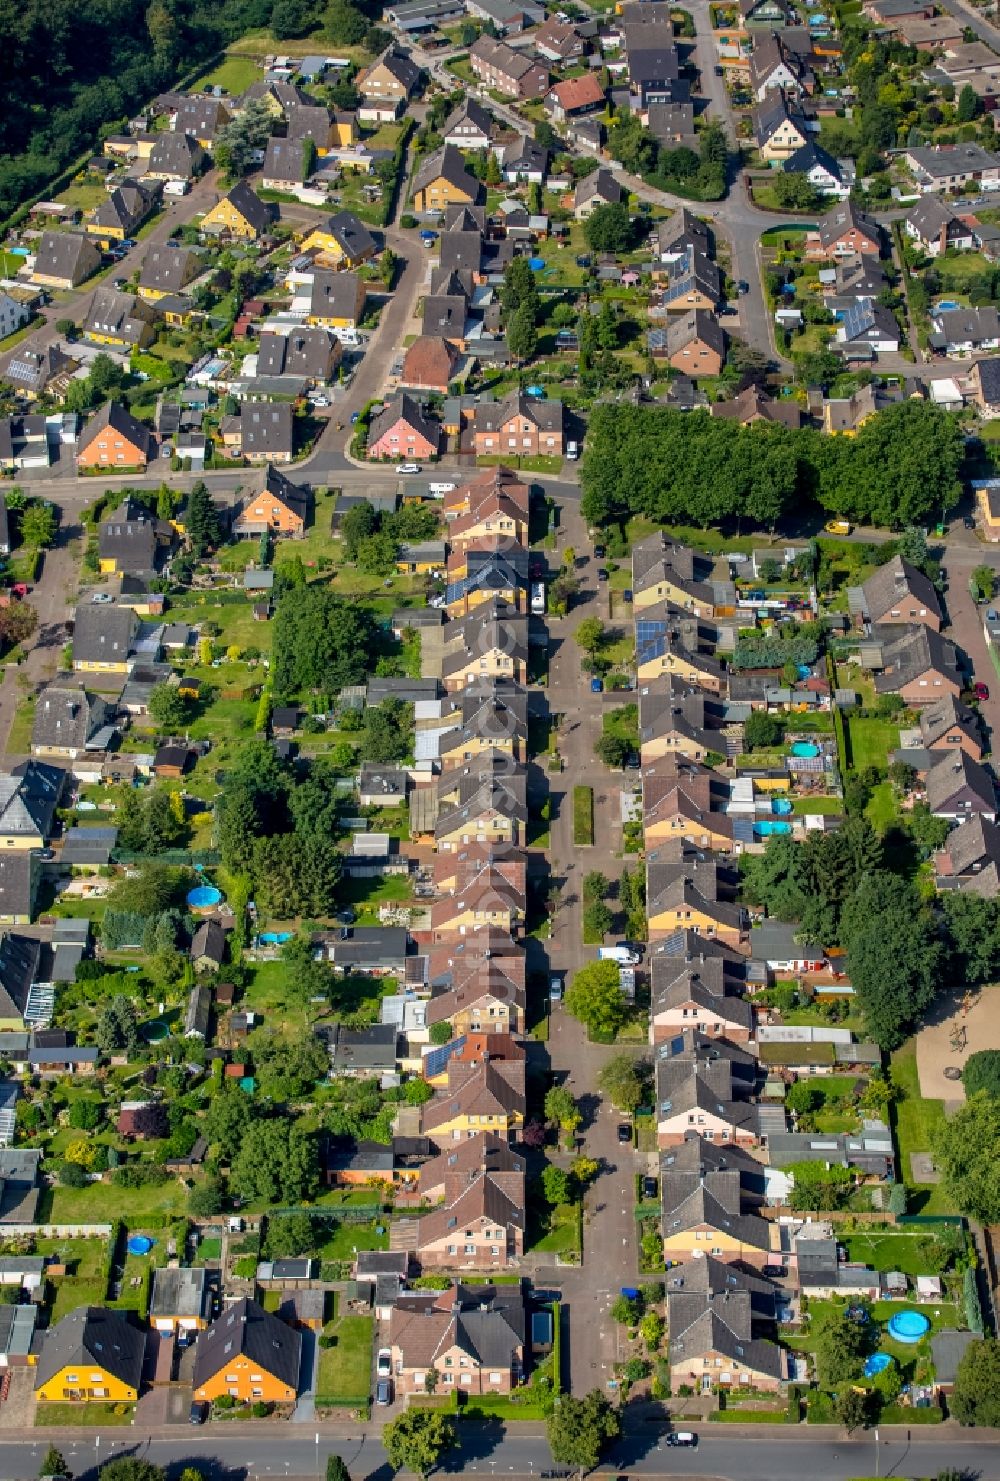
x,y
682,1437
440,489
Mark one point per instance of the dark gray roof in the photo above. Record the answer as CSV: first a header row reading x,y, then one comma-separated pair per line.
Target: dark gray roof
x,y
250,206
334,295
284,161
168,268
899,585
306,350
92,1336
956,772
350,234
705,1182
947,1349
29,796
66,254
19,871
266,428
178,155
372,1048
908,652
180,1292
88,845
447,163
370,946
210,941
67,717
130,537
103,634
248,1329
19,957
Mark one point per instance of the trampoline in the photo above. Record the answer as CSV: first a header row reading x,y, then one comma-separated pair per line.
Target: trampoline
x,y
139,1244
908,1326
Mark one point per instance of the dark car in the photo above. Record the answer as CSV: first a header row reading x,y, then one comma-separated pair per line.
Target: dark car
x,y
649,1188
383,1391
599,552
969,522
627,595
198,1412
602,574
625,1132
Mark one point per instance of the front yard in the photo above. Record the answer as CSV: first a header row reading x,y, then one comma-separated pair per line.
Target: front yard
x,y
344,1377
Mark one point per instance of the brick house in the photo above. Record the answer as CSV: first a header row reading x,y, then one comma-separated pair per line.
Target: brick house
x,y
400,430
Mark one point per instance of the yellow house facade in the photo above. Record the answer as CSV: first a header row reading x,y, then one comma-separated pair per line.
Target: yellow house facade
x,y
666,590
685,666
705,1239
699,832
493,827
689,918
92,1356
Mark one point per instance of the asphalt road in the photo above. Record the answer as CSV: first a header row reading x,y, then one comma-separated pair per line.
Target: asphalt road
x,y
231,1452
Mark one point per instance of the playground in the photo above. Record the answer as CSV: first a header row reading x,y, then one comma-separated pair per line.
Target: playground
x,y
962,1024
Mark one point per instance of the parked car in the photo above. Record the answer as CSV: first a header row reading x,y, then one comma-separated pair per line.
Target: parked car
x,y
408,468
969,522
599,552
981,691
383,1391
625,1133
597,686
627,594
602,574
198,1412
383,1363
555,989
837,527
650,1188
682,1437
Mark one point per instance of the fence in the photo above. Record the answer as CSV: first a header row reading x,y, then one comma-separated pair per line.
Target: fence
x,y
57,1231
208,858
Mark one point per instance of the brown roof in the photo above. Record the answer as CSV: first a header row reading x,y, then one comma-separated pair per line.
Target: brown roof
x,y
490,1089
578,92
429,361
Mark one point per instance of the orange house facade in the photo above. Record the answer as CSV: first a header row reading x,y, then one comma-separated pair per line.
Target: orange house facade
x,y
248,1354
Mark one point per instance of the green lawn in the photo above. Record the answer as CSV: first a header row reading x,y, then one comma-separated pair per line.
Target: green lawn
x,y
883,808
916,1121
343,1240
233,74
562,1236
906,1252
345,1368
98,1202
804,806
82,1416
583,816
958,269
870,741
267,994
83,193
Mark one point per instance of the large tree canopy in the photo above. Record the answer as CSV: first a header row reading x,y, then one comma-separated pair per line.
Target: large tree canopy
x,y
320,642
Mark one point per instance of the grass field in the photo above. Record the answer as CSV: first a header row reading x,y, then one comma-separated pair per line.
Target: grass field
x,y
82,1416
916,1121
95,1204
233,74
83,193
905,1252
804,806
583,816
870,741
562,1236
882,810
345,1368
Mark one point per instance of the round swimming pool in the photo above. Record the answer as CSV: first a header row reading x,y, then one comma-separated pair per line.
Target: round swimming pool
x,y
877,1363
804,748
154,1031
139,1244
204,897
908,1326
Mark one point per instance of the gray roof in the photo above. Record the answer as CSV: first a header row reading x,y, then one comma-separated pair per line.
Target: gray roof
x,y
957,772
248,1329
250,206
130,537
368,946
66,254
19,871
350,234
706,1182
447,163
871,1147
908,652
546,415
403,408
29,796
67,717
975,325
284,161
713,1307
334,295
599,185
266,428
19,958
176,155
92,1336
180,1292
168,268
944,714
103,633
88,845
698,324
775,941
948,1347
899,585
209,941
305,351
372,1048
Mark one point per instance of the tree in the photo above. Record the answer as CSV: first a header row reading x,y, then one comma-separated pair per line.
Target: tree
x,y
625,1311
201,520
519,288
417,1440
522,336
290,1236
555,1185
54,1463
561,1109
130,1468
595,998
17,623
964,1148
117,1027
207,1198
842,1344
276,1163
38,524
619,1080
590,634
168,707
385,732
803,1097
336,1470
359,523
651,1330
969,105
976,1396
579,1429
296,875
610,229
614,750
982,1073
818,1185
984,580
229,1116
852,1409
377,555
762,731
894,955
320,642
597,920
795,191
595,887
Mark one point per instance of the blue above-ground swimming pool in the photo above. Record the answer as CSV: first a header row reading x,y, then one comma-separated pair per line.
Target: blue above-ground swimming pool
x,y
536,264
877,1363
804,748
781,808
204,897
140,1244
908,1326
765,829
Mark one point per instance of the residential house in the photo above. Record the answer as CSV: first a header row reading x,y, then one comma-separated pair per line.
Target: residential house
x,y
917,664
754,405
430,364
677,803
14,314
248,1354
266,432
695,344
180,1300
175,156
769,13
33,371
485,894
665,571
467,497
687,891
119,319
899,592
473,1337
775,66
959,787
202,116
843,417
711,1195
336,300
941,31
374,951
166,270
826,175
480,1223
400,431
970,858
341,241
722,1324
491,716
114,439
521,425
20,877
443,180
937,228
131,540
481,802
91,1355
240,214
693,281
489,1096
575,97
19,964
387,86
491,642
493,569
510,72
965,331
779,128
477,982
311,123
952,166
948,725
284,167
844,231
103,638
469,127
68,720
599,188
123,212
706,1085
674,718
208,947
281,508
309,353
984,388
867,330
64,260
697,982
672,124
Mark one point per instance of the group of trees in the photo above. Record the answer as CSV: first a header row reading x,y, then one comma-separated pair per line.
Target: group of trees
x,y
595,998
903,468
700,176
372,539
278,828
321,643
522,308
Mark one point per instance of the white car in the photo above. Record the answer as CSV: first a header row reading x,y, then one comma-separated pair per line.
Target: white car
x,y
383,1363
408,468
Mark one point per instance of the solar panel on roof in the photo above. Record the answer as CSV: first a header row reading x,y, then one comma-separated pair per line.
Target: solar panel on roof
x,y
436,1061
